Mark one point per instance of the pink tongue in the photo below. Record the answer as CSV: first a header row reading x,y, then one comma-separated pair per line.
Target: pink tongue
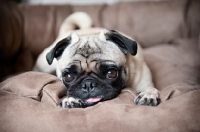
x,y
93,99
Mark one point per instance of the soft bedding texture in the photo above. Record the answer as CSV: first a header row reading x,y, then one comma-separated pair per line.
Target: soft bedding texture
x,y
169,32
29,101
33,106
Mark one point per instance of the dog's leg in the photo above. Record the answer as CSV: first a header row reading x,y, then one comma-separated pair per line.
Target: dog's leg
x,y
148,94
148,97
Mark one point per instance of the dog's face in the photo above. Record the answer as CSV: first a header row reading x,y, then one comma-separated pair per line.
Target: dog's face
x,y
93,66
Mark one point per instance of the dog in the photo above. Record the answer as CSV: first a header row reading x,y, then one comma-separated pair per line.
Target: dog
x,y
95,64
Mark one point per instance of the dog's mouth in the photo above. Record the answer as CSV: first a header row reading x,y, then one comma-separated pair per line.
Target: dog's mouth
x,y
93,100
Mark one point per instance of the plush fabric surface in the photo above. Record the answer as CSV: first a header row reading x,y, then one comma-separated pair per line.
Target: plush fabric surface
x,y
178,62
168,31
30,106
29,101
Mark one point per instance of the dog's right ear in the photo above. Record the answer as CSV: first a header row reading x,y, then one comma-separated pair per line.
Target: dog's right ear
x,y
57,51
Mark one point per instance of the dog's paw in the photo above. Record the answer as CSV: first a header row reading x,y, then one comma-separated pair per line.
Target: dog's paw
x,y
71,102
149,97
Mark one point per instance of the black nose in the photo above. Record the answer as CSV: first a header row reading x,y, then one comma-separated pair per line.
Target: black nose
x,y
89,85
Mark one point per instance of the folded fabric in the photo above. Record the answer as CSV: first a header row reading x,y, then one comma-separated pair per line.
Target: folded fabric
x,y
29,103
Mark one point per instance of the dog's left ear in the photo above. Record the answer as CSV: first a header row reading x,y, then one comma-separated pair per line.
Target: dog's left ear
x,y
124,43
57,51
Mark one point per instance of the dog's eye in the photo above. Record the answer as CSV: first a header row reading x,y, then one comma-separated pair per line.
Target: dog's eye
x,y
111,74
69,77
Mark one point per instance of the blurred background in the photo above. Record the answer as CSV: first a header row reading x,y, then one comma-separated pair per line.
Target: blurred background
x,y
75,2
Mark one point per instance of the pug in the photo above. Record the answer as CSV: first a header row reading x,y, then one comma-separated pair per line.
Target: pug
x,y
95,64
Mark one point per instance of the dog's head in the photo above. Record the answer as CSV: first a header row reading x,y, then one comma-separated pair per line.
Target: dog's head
x,y
93,66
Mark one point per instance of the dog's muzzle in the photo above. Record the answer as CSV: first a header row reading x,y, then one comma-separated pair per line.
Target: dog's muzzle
x,y
88,86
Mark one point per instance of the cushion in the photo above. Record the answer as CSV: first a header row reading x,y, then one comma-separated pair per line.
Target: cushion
x,y
150,23
177,62
29,103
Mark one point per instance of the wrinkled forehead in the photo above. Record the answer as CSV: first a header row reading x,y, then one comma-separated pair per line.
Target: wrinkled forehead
x,y
89,50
